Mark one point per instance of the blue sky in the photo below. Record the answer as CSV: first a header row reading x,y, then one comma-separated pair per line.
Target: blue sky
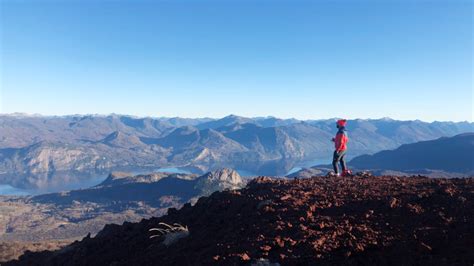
x,y
302,59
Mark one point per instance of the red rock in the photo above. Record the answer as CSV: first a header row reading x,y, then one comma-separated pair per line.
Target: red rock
x,y
291,241
364,225
279,241
285,197
245,257
359,247
394,202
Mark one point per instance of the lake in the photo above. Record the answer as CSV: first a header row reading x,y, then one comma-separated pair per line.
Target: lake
x,y
94,179
6,189
86,181
172,170
10,191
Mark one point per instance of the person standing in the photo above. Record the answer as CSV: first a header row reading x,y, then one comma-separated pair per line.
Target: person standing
x,y
340,143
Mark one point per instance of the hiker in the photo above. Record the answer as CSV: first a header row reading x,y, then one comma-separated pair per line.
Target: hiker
x,y
340,142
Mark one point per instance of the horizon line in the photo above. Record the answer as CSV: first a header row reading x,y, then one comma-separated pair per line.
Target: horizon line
x,y
23,114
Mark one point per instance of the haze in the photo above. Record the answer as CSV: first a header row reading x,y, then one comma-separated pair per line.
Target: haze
x,y
319,59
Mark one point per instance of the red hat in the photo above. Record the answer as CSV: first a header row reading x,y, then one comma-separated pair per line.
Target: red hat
x,y
342,122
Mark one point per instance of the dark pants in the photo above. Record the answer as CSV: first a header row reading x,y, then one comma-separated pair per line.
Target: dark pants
x,y
339,157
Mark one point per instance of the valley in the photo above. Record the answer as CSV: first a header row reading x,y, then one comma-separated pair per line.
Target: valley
x,y
121,197
43,152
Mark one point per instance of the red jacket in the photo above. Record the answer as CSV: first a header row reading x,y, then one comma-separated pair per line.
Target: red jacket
x,y
341,140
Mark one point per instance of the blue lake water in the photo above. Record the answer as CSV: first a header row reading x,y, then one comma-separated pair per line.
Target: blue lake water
x,y
308,164
82,183
315,162
9,190
173,170
95,179
294,170
86,183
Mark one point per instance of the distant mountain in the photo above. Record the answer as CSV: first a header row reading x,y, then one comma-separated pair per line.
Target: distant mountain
x,y
34,149
181,122
53,164
226,121
120,139
274,122
124,188
218,180
260,121
374,135
443,157
121,197
21,131
453,154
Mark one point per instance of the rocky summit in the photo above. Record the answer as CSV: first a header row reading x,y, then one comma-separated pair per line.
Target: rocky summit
x,y
361,220
70,215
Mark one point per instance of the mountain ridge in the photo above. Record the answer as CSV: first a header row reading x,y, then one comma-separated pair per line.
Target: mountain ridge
x,y
443,157
262,146
121,197
446,153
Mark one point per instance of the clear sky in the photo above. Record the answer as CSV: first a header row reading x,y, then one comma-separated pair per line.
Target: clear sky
x,y
302,59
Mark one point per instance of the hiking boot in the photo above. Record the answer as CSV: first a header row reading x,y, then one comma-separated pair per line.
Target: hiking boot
x,y
347,173
332,174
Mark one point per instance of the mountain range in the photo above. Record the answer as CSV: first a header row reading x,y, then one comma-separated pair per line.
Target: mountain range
x,y
121,197
449,154
443,157
43,151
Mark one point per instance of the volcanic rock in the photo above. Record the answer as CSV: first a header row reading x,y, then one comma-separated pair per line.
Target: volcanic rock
x,y
347,227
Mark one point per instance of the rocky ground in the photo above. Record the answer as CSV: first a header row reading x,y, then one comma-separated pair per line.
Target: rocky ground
x,y
14,249
40,222
361,220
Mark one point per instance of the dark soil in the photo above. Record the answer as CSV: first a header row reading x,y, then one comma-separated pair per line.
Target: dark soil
x,y
317,221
